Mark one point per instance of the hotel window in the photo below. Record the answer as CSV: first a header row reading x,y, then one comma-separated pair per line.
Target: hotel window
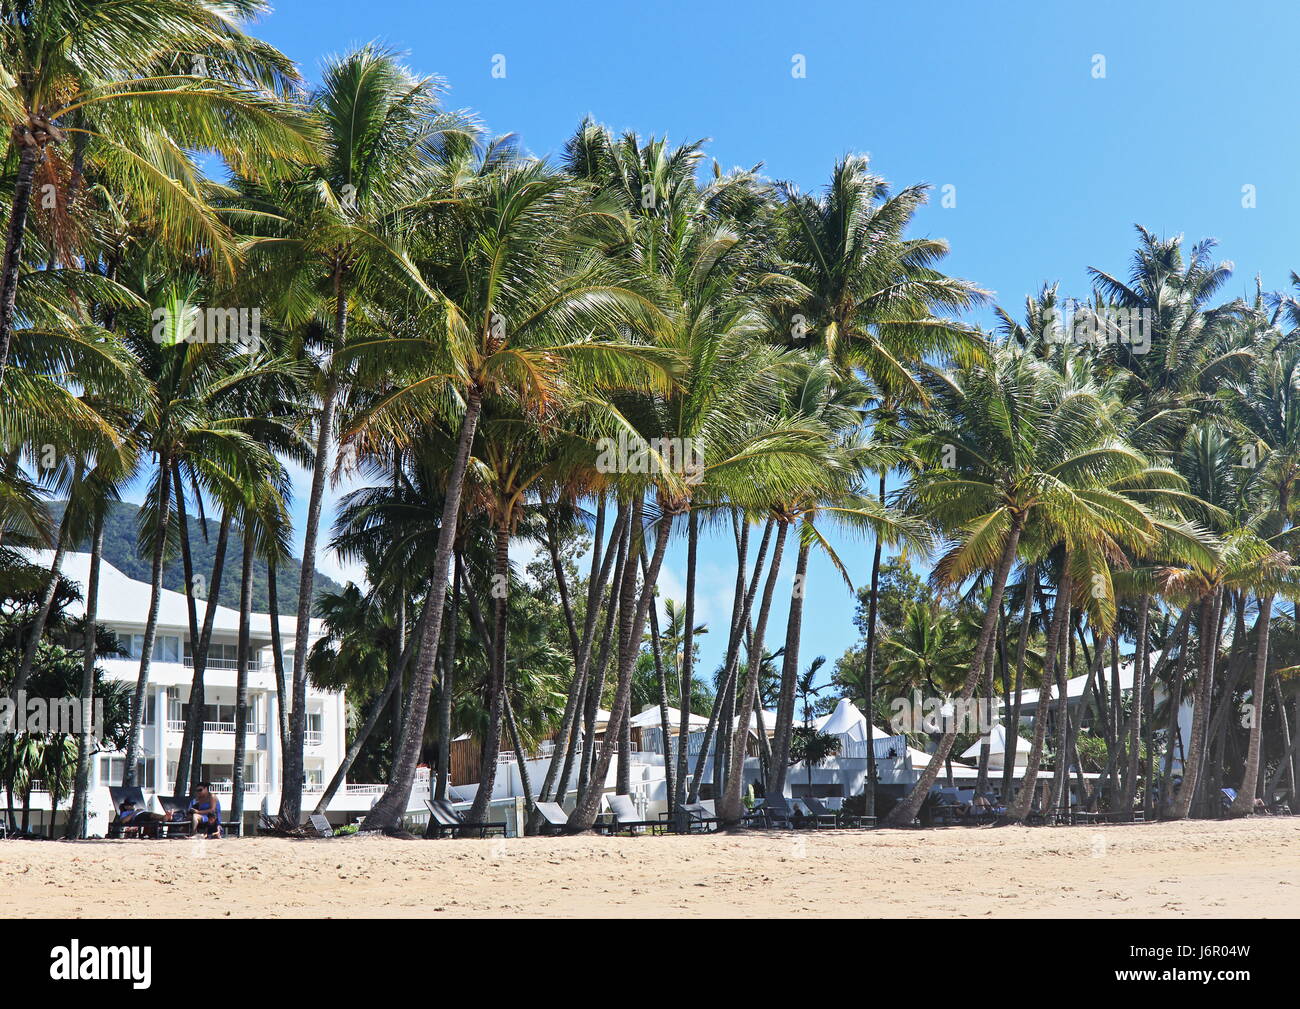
x,y
166,647
110,771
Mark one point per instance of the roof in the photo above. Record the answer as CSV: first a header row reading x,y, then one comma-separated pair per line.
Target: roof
x,y
1076,685
124,602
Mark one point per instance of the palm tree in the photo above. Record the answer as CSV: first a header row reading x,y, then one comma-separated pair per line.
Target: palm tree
x,y
877,305
1025,445
135,87
516,308
198,418
327,240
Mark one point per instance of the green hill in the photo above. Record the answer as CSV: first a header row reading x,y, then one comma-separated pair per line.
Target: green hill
x,y
120,550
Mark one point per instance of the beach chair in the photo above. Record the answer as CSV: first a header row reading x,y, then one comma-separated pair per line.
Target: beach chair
x,y
321,825
1227,797
554,818
627,818
818,813
445,820
776,812
693,815
177,810
120,795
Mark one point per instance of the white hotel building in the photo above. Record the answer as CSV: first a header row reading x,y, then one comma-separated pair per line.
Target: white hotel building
x,y
123,607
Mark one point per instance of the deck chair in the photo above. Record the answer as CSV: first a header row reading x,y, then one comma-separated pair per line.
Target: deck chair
x,y
822,815
700,815
627,818
1228,797
554,818
776,811
445,820
321,825
120,795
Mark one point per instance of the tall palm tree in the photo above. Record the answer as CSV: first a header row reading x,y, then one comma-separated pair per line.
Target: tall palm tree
x,y
518,306
325,241
1010,443
136,86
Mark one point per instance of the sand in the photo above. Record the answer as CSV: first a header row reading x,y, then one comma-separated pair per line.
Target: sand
x,y
1241,868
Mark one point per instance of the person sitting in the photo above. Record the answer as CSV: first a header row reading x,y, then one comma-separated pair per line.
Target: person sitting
x,y
205,810
145,824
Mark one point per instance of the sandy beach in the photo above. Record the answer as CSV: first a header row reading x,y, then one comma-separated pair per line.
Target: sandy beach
x,y
1243,868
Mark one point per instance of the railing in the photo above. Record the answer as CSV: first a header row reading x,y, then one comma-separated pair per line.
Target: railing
x,y
253,665
889,748
227,787
178,725
314,738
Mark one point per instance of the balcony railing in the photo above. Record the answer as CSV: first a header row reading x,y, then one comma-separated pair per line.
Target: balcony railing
x,y
253,665
227,787
178,725
314,738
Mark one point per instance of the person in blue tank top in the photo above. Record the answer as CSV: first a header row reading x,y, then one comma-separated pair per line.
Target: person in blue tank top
x,y
205,810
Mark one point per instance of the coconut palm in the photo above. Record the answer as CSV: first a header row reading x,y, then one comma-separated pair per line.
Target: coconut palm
x,y
135,87
518,308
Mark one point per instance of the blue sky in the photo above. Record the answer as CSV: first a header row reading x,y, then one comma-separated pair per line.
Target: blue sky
x,y
1052,164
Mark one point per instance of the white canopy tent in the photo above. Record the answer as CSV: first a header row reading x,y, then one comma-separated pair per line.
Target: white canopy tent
x,y
997,749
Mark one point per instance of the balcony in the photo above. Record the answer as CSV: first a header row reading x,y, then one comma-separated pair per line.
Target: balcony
x,y
253,665
221,728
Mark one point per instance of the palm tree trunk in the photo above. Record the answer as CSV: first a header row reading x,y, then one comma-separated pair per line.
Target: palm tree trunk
x,y
1140,662
392,804
151,624
497,677
1182,804
1059,627
30,155
665,724
568,735
741,604
982,773
447,684
1244,804
190,766
1063,668
905,812
277,652
588,804
730,809
1012,730
77,815
596,688
37,630
291,789
869,681
784,728
241,679
1289,742
686,671
372,716
521,758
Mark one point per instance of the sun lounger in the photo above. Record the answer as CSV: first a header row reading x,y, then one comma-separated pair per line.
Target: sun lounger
x,y
627,818
693,815
554,818
177,811
825,816
444,820
776,812
321,825
121,794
